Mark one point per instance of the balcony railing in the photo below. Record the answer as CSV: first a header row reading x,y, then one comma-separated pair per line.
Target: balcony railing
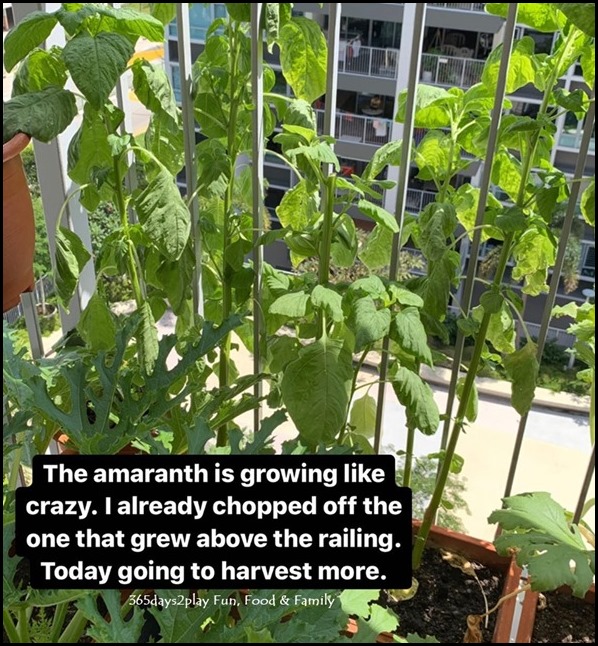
x,y
417,200
464,6
359,129
439,69
573,140
371,61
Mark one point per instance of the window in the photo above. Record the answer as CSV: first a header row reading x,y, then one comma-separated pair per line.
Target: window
x,y
201,16
588,264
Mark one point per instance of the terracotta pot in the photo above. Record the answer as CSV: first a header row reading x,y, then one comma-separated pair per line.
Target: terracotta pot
x,y
483,552
18,228
530,607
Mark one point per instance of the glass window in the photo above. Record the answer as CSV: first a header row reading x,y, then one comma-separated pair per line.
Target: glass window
x,y
383,34
588,268
543,41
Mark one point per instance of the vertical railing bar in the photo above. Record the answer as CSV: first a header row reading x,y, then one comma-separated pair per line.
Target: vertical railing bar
x,y
186,74
334,36
585,487
127,126
34,332
257,177
408,128
556,274
474,252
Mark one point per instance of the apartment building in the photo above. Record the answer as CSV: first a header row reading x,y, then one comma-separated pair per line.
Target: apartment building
x,y
458,38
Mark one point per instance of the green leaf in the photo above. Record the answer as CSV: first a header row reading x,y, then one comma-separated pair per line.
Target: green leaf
x,y
417,398
465,200
471,412
291,305
328,300
72,15
368,322
363,416
148,338
522,66
534,254
588,204
513,220
536,528
492,302
507,173
240,11
522,367
411,334
28,34
272,23
320,152
297,208
96,63
180,625
303,57
97,327
282,350
164,138
541,17
405,296
315,390
164,215
343,250
588,65
437,222
89,150
501,330
71,257
581,14
165,12
42,115
131,23
375,253
38,71
436,286
379,215
372,286
117,630
387,155
434,155
430,107
152,87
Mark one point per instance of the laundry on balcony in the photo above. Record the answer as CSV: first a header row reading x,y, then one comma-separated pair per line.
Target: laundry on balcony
x,y
380,127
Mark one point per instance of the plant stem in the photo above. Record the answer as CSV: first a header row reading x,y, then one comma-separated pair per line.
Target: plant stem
x,y
409,457
10,628
58,621
23,626
74,630
329,186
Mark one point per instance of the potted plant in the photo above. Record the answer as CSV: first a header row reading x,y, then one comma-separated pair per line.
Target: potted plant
x,y
429,64
18,224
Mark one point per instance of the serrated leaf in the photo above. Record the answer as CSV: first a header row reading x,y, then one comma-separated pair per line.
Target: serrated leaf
x,y
471,412
375,253
418,399
41,69
291,305
71,257
303,57
411,334
534,254
315,390
437,222
97,327
379,215
164,216
152,87
28,113
117,630
363,416
436,286
297,208
522,367
328,300
28,34
588,204
368,322
537,529
96,63
148,338
522,66
164,138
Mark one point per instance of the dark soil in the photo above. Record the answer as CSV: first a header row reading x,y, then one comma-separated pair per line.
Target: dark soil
x,y
444,599
565,620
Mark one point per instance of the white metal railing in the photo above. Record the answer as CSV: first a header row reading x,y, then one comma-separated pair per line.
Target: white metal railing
x,y
417,200
465,6
573,140
368,61
44,287
359,128
440,69
562,337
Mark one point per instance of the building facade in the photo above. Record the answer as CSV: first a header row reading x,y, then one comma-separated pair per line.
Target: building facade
x,y
458,38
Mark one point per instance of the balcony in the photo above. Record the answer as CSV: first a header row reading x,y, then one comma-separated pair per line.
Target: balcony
x,y
572,141
417,200
463,6
359,129
440,69
372,61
